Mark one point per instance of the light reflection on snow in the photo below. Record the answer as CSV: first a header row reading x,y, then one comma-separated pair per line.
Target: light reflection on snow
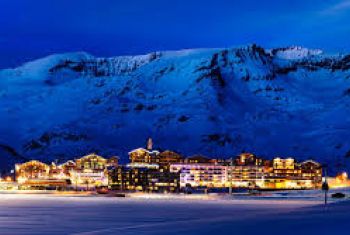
x,y
25,213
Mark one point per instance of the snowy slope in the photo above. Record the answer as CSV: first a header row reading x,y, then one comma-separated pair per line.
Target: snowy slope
x,y
219,102
295,52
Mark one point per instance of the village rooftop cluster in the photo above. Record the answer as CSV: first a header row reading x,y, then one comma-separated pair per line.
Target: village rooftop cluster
x,y
150,170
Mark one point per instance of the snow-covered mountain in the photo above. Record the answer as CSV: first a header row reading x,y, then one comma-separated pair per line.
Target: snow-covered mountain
x,y
217,102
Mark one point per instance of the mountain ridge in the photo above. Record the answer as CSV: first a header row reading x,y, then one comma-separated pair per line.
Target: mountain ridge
x,y
218,102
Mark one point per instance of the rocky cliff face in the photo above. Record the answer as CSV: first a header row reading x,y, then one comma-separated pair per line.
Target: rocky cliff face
x,y
219,102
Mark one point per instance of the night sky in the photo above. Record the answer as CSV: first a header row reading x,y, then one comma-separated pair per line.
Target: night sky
x,y
34,28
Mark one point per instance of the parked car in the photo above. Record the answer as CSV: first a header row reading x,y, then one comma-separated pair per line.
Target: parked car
x,y
338,195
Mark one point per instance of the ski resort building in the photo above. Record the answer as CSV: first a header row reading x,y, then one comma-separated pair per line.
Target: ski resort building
x,y
167,171
88,171
143,177
148,171
151,156
92,170
38,175
249,171
201,175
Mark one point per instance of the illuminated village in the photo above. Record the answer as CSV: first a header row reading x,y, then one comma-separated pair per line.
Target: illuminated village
x,y
150,170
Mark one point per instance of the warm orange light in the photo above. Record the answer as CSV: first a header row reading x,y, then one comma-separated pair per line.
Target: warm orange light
x,y
345,175
342,177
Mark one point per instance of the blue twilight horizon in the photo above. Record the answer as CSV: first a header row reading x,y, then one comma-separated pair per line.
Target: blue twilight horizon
x,y
32,29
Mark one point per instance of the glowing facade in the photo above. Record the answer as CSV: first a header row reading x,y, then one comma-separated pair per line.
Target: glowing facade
x,y
143,177
201,175
144,155
90,170
249,171
167,171
289,174
36,174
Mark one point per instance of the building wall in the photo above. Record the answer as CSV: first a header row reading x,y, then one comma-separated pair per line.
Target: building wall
x,y
31,170
246,176
143,179
201,174
254,173
88,172
168,171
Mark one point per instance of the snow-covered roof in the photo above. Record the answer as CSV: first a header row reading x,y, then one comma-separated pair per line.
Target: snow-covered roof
x,y
311,161
144,150
92,155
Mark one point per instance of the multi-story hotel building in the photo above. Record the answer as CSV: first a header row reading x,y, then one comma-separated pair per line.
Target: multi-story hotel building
x,y
201,174
311,170
88,171
144,155
92,170
289,174
249,171
36,174
151,156
147,178
156,171
148,171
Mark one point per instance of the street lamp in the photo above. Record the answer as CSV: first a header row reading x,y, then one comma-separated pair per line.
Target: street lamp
x,y
325,186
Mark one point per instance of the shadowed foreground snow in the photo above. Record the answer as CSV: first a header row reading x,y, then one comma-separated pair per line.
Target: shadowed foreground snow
x,y
53,214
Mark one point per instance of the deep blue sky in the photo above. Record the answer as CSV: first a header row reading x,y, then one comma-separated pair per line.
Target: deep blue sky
x,y
34,28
